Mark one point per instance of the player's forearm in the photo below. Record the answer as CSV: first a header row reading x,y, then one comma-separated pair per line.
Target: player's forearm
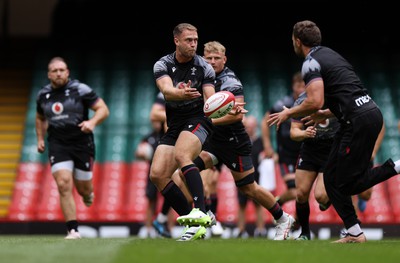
x,y
304,109
41,127
297,134
266,137
100,115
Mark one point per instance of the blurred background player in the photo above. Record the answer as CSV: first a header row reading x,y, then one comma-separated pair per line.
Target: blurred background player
x,y
257,154
287,149
62,112
145,152
315,148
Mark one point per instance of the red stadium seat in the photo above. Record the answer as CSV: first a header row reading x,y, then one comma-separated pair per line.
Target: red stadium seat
x,y
136,201
393,185
26,192
378,209
111,192
228,205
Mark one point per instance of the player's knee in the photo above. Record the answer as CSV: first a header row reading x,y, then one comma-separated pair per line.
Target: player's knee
x,y
301,196
154,178
321,198
244,182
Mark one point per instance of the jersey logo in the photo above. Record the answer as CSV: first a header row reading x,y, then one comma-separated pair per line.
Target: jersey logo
x,y
362,100
47,95
300,161
190,126
193,71
173,69
324,124
57,108
67,92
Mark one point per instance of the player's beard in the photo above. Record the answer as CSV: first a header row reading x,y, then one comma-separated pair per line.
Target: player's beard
x,y
190,53
59,82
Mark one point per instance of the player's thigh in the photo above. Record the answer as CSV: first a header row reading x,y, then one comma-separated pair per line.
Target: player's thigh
x,y
187,147
163,164
304,182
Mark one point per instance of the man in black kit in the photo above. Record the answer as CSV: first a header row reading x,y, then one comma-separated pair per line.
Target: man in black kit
x,y
186,80
331,81
62,111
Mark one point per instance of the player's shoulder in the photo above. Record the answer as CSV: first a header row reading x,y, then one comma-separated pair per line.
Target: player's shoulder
x,y
81,87
229,74
167,58
164,63
45,89
201,61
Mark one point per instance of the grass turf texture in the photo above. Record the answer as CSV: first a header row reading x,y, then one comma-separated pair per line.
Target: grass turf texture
x,y
54,249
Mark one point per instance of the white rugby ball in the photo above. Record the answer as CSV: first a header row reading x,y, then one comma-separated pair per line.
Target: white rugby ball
x,y
219,104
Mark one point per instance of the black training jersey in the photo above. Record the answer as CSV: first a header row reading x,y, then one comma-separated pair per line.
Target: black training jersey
x,y
345,95
64,109
287,148
153,138
227,80
198,71
160,99
325,130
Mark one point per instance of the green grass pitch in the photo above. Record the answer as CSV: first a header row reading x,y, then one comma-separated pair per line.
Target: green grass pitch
x,y
54,249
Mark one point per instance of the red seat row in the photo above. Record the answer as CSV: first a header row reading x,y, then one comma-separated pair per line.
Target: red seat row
x,y
120,196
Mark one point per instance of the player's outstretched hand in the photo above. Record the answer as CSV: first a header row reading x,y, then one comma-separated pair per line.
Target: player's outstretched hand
x,y
278,118
188,91
238,109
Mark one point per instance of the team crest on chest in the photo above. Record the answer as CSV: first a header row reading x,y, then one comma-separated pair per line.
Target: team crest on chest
x,y
57,108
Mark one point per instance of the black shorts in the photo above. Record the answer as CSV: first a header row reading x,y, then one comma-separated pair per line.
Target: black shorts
x,y
82,153
236,154
151,190
287,166
314,155
199,126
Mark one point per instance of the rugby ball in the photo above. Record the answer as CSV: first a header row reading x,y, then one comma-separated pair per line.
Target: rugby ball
x,y
219,104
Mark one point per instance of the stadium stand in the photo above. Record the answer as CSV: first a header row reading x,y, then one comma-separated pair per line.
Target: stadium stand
x,y
14,91
120,180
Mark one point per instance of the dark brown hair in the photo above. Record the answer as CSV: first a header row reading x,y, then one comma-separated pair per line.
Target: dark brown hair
x,y
308,33
181,27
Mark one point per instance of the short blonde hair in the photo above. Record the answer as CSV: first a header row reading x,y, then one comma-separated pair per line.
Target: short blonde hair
x,y
214,47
